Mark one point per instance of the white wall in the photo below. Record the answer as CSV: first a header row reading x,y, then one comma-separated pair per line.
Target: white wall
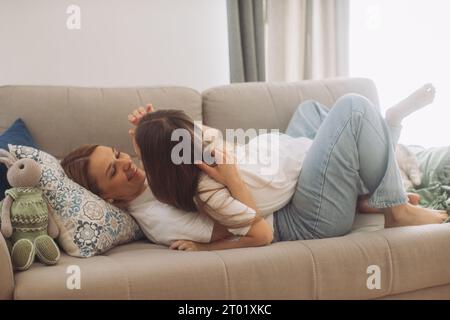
x,y
401,45
120,43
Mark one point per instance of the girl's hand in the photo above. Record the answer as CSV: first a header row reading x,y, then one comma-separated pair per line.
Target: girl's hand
x,y
137,114
225,171
186,245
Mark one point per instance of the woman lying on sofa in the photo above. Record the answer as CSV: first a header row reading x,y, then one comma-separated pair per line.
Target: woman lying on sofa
x,y
230,206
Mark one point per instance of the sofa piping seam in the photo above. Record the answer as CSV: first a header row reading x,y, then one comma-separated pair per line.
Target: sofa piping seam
x,y
273,105
125,275
391,265
316,280
333,97
227,278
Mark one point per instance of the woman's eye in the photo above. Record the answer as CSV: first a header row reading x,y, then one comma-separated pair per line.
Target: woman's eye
x,y
113,171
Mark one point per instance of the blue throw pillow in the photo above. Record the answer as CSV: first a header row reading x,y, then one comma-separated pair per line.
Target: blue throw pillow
x,y
17,134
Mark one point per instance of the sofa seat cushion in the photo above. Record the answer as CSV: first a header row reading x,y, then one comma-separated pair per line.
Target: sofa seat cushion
x,y
409,259
368,222
139,270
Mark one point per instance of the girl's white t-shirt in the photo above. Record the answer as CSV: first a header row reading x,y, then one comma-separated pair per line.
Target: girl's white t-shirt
x,y
269,165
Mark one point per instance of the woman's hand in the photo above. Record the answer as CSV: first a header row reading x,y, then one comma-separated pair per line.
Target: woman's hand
x,y
186,245
134,119
136,116
225,171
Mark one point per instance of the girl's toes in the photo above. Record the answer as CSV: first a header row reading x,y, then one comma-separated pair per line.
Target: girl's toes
x,y
414,199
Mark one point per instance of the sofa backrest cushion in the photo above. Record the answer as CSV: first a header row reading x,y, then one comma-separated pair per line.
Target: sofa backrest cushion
x,y
271,105
63,118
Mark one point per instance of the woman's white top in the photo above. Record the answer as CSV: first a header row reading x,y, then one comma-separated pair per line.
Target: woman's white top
x,y
163,224
269,165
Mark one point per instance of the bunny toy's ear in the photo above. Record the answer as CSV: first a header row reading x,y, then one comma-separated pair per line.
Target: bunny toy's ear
x,y
7,158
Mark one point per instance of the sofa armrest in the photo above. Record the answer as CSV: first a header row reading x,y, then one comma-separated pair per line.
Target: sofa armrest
x,y
6,272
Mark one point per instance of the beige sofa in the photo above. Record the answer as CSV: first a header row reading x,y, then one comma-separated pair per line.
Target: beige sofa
x,y
413,262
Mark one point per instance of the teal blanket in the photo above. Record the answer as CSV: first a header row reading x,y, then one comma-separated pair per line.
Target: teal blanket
x,y
434,190
435,197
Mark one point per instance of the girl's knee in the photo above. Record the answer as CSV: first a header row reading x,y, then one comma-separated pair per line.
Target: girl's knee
x,y
309,109
355,102
307,105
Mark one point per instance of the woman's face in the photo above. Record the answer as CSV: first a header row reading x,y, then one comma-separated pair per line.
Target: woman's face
x,y
116,175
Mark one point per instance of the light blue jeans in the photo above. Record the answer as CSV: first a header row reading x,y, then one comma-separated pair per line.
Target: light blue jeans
x,y
353,150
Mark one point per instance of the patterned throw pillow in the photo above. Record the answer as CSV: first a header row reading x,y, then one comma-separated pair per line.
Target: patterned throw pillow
x,y
88,225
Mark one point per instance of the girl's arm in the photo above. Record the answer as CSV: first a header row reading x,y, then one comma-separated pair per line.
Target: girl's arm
x,y
259,234
239,191
237,198
226,173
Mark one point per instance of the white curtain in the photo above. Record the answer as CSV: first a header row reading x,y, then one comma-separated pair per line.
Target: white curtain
x,y
307,39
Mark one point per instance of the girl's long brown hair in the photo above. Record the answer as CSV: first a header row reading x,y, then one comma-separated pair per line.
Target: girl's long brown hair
x,y
174,184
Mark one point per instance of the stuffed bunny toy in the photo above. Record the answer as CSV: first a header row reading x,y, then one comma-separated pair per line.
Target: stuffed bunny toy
x,y
26,222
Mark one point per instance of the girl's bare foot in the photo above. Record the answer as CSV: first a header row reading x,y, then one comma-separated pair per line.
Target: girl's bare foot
x,y
410,215
414,199
363,203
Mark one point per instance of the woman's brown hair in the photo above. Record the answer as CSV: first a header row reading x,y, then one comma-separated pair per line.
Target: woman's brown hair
x,y
76,165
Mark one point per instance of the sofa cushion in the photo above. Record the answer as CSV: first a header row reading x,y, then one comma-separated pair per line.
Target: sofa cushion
x,y
409,259
271,105
17,133
368,222
88,225
139,270
64,118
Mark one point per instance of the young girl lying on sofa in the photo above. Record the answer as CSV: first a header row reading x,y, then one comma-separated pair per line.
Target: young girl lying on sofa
x,y
322,160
